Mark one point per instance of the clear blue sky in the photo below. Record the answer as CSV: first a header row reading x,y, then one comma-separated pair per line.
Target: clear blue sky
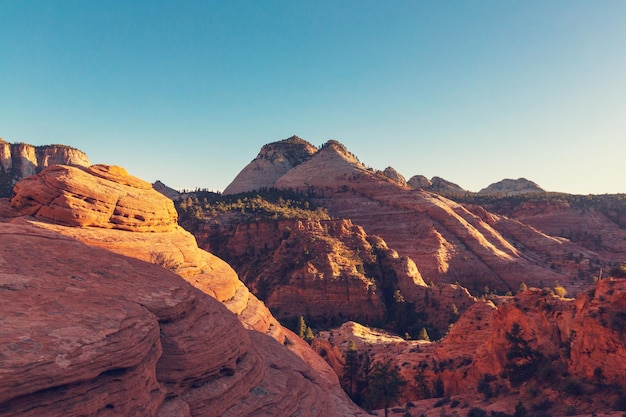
x,y
188,91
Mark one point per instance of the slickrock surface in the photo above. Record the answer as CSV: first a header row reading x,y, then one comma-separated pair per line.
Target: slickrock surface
x,y
89,332
272,162
98,196
176,249
20,160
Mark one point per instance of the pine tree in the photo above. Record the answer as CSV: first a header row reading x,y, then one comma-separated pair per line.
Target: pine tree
x,y
301,327
423,335
350,368
385,385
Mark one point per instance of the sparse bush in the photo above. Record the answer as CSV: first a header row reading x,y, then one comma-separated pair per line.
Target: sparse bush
x,y
164,261
560,291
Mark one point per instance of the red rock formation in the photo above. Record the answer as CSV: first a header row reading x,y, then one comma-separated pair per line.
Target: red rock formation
x,y
169,246
572,351
98,196
81,338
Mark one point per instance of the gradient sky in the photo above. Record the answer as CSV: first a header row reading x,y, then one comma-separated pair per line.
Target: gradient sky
x,y
188,91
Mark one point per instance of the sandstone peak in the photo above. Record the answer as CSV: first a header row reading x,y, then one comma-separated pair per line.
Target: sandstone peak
x,y
273,161
419,181
512,187
331,166
435,184
394,175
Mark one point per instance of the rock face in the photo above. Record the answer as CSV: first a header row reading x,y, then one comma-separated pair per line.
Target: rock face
x,y
157,239
274,160
570,351
321,269
436,184
81,338
97,196
19,160
512,187
448,242
394,175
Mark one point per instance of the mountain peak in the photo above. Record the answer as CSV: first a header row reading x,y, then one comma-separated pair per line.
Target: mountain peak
x,y
512,187
272,162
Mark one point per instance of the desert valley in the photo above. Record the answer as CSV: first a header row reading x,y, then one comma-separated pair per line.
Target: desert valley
x,y
313,285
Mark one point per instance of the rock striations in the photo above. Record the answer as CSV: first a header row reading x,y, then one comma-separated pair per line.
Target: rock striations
x,y
20,160
151,345
448,242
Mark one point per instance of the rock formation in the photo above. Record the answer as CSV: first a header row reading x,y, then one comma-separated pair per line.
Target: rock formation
x,y
81,338
436,184
19,160
273,161
99,206
394,175
512,187
447,241
533,347
168,192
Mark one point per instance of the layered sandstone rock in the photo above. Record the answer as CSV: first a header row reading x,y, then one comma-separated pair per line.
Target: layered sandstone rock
x,y
272,162
20,160
98,196
161,242
447,241
81,338
314,268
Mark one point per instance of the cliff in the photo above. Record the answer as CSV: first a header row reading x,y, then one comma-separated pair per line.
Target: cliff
x,y
20,160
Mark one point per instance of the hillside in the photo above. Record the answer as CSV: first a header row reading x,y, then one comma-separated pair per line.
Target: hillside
x,y
449,242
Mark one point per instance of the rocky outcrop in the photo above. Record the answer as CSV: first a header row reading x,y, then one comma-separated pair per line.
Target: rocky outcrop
x,y
512,187
394,175
531,347
436,184
20,160
81,338
419,181
168,192
320,269
173,248
98,196
272,162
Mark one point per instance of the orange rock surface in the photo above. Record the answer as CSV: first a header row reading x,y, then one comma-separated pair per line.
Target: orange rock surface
x,y
81,201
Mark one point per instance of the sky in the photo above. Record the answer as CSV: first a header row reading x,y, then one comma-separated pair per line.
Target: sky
x,y
187,92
